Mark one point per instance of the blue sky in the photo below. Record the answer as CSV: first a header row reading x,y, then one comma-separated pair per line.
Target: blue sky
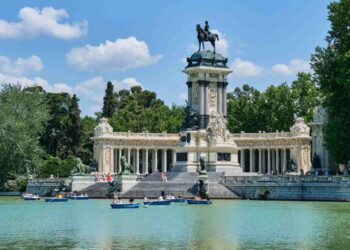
x,y
77,46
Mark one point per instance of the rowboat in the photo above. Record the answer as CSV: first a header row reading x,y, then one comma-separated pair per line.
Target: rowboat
x,y
165,202
133,205
31,198
199,202
80,198
56,199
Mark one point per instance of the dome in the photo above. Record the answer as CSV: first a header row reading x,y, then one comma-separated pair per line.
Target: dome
x,y
207,58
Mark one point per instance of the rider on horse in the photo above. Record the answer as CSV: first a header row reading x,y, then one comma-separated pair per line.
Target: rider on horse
x,y
206,30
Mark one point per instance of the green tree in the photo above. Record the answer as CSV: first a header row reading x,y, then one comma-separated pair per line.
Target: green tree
x,y
23,115
73,127
279,108
244,110
86,145
306,96
54,138
332,73
57,167
109,102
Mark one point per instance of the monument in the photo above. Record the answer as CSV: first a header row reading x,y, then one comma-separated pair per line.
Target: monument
x,y
204,130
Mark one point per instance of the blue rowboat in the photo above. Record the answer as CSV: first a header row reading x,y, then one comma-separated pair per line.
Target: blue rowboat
x,y
31,198
199,202
80,198
133,205
165,202
56,199
178,200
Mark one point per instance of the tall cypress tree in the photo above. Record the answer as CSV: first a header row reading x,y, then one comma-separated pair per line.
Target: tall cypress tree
x,y
109,102
74,127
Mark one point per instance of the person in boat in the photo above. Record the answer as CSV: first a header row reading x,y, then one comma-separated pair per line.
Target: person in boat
x,y
131,200
117,201
145,198
172,197
160,198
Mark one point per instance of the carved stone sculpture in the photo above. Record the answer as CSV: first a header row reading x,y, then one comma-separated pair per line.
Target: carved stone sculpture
x,y
300,128
103,127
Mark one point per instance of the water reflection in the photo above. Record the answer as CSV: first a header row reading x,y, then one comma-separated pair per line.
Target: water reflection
x,y
224,225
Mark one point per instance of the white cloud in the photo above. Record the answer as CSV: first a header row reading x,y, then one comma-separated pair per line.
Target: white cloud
x,y
122,54
45,22
20,66
62,87
93,90
294,66
243,68
24,81
222,44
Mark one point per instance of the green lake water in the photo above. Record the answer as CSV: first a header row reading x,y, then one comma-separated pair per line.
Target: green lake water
x,y
93,224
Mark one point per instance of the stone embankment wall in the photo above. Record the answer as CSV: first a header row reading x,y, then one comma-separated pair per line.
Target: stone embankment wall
x,y
312,188
45,186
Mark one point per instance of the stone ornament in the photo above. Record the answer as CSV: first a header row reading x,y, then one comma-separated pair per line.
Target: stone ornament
x,y
103,127
212,97
300,128
319,115
217,128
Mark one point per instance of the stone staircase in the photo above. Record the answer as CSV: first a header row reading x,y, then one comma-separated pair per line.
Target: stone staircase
x,y
97,190
179,183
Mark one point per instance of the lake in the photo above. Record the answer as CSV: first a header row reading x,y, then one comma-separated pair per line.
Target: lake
x,y
227,224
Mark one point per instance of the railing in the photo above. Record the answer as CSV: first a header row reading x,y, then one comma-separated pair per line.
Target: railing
x,y
262,135
284,179
145,135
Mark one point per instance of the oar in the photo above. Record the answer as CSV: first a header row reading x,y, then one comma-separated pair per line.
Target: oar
x,y
146,206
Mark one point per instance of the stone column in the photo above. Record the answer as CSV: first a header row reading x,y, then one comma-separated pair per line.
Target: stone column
x,y
251,162
164,166
242,159
219,98
146,161
119,160
129,154
155,160
224,99
260,161
189,92
273,160
284,165
137,161
201,99
277,161
174,158
269,161
206,102
264,160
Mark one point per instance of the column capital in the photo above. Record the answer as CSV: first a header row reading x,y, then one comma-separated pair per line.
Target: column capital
x,y
222,84
203,82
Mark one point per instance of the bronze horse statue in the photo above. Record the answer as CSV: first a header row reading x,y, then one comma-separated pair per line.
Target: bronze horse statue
x,y
203,37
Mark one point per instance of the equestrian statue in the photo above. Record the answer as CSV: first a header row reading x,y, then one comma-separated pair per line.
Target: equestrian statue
x,y
204,35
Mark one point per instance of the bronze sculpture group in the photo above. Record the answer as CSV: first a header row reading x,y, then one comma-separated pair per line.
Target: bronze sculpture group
x,y
204,35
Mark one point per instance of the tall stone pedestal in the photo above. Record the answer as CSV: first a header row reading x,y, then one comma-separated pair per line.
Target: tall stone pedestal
x,y
204,130
203,185
125,182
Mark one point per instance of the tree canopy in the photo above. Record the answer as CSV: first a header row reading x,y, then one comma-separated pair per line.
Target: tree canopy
x,y
23,115
332,73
